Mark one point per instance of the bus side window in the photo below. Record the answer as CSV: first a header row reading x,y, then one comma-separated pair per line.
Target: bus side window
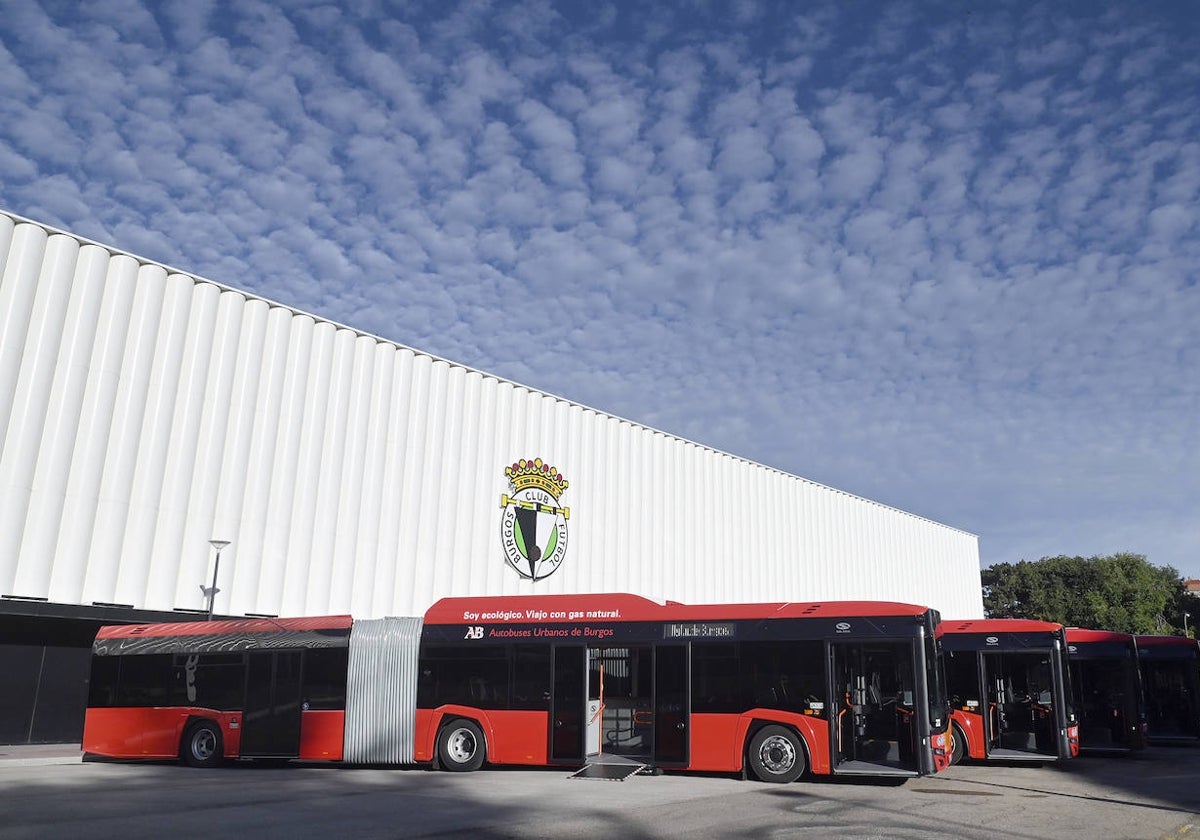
x,y
531,677
325,678
149,680
784,675
715,683
451,673
209,680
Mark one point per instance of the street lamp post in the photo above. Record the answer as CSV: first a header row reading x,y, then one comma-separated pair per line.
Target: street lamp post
x,y
212,591
1186,616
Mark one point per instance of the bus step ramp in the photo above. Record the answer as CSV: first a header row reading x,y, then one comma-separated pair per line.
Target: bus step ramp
x,y
607,772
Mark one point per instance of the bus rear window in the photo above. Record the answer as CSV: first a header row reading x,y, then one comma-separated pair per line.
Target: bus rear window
x,y
102,688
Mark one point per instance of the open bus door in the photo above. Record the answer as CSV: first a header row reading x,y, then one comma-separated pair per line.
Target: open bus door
x,y
568,726
876,723
1020,717
622,681
637,709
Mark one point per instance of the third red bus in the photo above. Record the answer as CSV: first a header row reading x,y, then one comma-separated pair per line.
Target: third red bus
x,y
1170,667
1107,690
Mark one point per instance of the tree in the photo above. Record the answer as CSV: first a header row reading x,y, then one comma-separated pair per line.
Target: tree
x,y
1122,592
1187,604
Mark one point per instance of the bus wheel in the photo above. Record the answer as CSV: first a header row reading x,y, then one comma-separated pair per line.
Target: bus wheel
x,y
461,747
776,755
958,745
202,744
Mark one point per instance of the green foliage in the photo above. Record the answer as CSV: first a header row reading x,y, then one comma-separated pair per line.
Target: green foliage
x,y
1122,592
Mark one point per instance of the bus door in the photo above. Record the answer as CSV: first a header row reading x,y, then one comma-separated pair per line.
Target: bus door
x,y
568,725
874,690
672,707
1020,717
1107,704
1172,689
271,715
623,681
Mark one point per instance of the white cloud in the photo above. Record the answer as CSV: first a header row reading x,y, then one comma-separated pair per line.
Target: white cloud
x,y
946,263
853,175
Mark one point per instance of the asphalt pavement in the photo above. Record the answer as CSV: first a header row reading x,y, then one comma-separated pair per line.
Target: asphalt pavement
x,y
32,755
1152,795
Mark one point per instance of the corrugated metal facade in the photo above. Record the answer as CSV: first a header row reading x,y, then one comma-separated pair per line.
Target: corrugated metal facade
x,y
144,412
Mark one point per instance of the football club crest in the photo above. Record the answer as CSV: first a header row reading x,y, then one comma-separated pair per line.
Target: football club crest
x,y
533,527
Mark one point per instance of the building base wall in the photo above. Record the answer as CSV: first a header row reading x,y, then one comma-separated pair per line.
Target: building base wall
x,y
45,663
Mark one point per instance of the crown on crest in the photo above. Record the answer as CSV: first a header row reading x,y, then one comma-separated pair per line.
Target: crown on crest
x,y
524,474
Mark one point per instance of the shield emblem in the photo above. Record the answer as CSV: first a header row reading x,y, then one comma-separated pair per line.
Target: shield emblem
x,y
533,528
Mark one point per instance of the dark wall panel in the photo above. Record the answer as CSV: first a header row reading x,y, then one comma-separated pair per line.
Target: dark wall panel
x,y
62,696
45,662
21,666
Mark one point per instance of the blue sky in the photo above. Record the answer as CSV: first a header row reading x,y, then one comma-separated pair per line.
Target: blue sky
x,y
941,255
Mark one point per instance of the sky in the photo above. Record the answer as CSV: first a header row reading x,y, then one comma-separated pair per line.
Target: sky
x,y
941,255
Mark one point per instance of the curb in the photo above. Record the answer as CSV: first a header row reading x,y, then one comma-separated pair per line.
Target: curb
x,y
39,755
43,761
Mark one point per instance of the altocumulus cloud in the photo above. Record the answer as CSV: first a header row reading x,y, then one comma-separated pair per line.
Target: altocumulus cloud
x,y
940,255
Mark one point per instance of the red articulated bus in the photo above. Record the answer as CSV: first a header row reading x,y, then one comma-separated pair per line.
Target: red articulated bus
x,y
1009,689
1107,689
1170,667
613,684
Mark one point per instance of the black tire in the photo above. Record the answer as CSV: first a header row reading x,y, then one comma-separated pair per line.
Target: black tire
x,y
461,747
202,744
958,745
776,755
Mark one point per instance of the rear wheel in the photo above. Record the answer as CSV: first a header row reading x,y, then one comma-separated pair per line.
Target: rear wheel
x,y
461,747
776,755
202,746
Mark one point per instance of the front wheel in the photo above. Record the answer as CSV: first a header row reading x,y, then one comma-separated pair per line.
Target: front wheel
x,y
958,745
202,744
461,747
776,755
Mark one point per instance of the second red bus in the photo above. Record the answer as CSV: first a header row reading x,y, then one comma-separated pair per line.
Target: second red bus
x,y
1010,691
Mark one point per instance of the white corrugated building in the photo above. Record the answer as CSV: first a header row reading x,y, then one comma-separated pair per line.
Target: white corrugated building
x,y
145,411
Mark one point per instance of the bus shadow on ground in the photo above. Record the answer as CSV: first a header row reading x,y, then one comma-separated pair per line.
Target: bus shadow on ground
x,y
1151,779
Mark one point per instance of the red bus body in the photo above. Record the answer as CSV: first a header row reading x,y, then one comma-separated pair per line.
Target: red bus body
x,y
586,681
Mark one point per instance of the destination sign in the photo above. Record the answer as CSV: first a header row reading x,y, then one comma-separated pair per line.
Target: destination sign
x,y
700,630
